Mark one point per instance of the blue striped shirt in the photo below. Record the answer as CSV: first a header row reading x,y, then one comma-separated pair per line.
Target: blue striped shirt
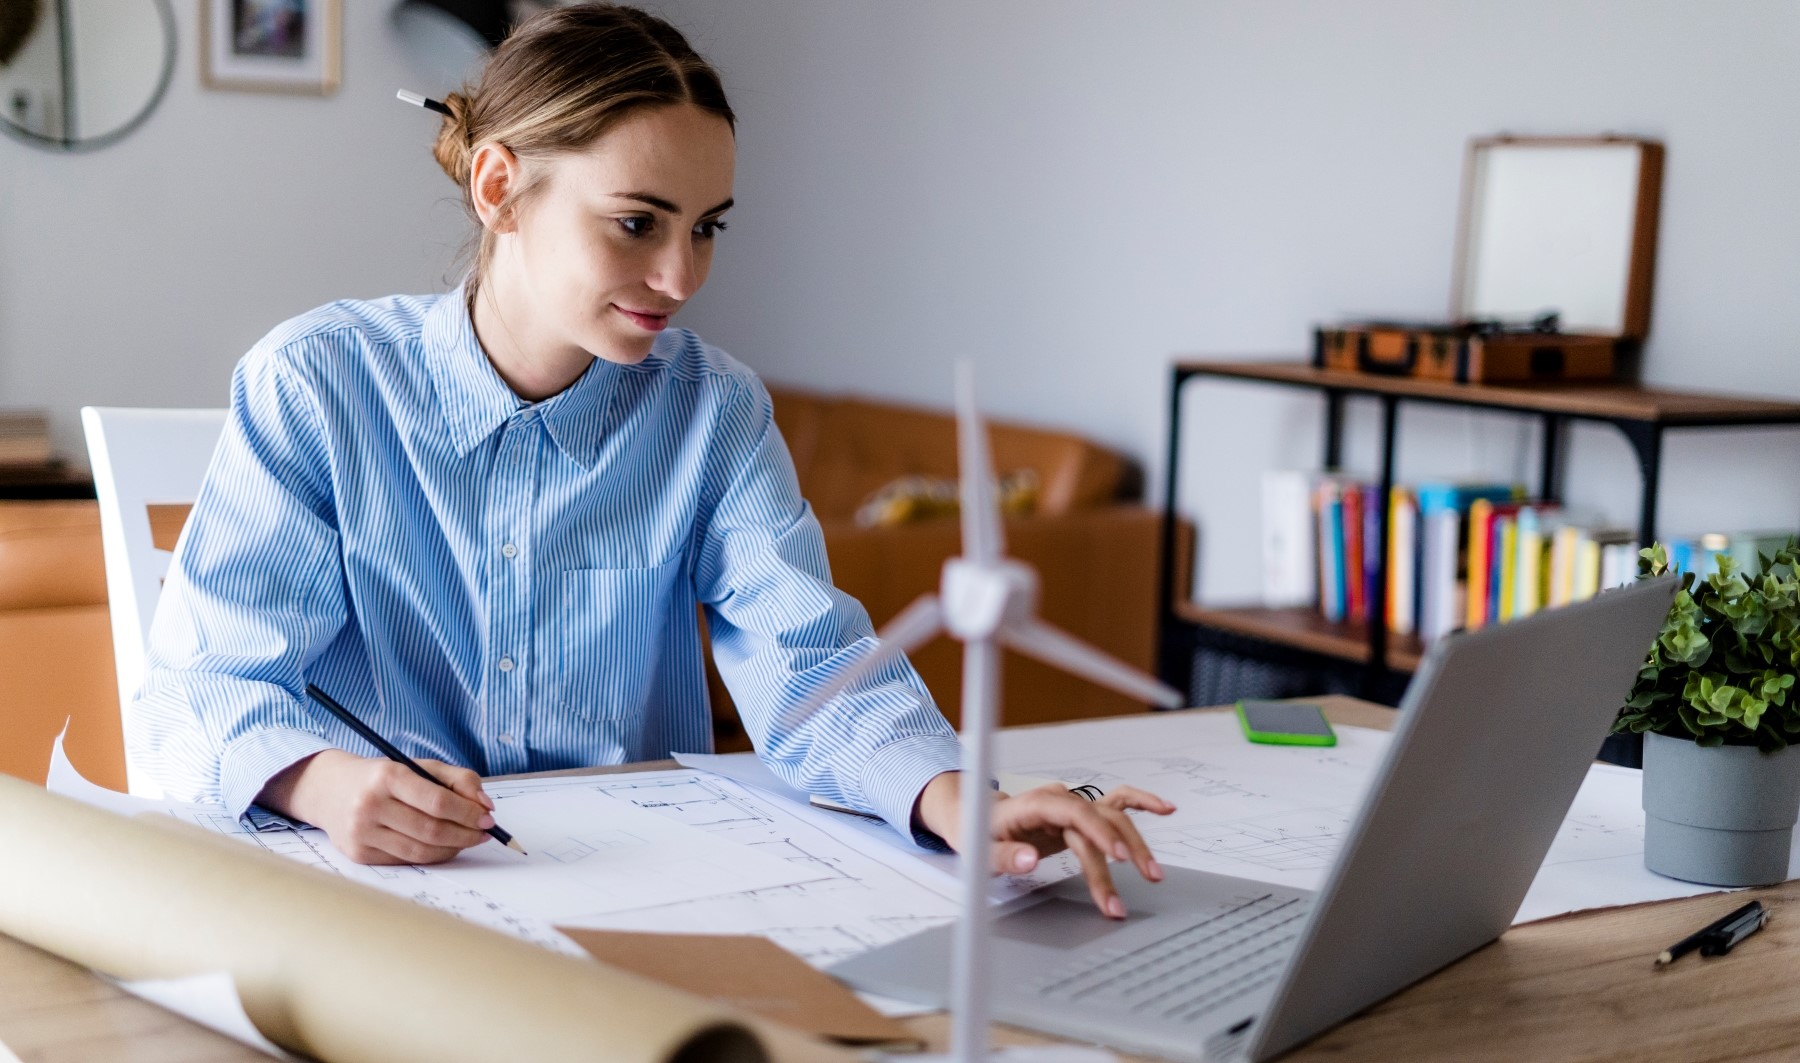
x,y
505,585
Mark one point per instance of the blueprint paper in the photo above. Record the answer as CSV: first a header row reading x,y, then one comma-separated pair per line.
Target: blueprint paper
x,y
311,846
210,1000
594,852
845,899
1262,812
876,837
1279,813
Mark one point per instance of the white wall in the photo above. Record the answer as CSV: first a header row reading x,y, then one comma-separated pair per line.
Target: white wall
x,y
139,274
1067,192
1070,192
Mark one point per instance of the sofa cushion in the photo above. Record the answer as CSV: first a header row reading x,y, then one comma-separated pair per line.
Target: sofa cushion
x,y
50,555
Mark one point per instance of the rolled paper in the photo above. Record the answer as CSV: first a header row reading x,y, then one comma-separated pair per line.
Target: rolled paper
x,y
324,966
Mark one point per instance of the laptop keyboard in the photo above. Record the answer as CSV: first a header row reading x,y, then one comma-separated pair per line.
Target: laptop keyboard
x,y
1239,949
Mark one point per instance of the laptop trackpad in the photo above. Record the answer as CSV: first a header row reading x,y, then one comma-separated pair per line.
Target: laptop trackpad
x,y
1060,923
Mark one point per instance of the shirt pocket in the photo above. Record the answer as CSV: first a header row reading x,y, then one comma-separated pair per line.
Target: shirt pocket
x,y
611,638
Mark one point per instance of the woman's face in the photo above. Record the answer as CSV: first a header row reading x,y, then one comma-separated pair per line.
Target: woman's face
x,y
620,236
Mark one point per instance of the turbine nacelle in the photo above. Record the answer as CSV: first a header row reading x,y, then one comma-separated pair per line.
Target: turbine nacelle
x,y
980,598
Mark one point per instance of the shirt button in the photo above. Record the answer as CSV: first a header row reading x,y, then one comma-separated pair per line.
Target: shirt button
x,y
509,550
506,664
506,740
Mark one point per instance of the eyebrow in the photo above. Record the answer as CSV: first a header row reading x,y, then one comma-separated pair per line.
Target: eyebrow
x,y
664,205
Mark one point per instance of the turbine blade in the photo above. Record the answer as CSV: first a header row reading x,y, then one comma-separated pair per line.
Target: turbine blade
x,y
983,537
910,628
915,625
1059,649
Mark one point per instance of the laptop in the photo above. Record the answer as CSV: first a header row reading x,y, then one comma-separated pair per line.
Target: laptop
x,y
1492,742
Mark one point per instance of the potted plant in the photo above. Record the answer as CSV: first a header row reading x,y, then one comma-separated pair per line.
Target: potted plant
x,y
1717,707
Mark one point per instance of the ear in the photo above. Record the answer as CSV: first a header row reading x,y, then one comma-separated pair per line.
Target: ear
x,y
494,173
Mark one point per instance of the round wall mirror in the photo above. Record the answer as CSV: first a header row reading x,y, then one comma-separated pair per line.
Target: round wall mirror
x,y
80,74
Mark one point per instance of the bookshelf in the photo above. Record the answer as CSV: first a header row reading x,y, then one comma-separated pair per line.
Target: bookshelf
x,y
1641,414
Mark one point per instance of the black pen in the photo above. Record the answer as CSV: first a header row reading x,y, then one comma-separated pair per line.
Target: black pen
x,y
389,751
1753,916
1728,928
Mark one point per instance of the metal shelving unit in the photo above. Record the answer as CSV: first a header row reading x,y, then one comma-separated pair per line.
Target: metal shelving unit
x,y
1381,661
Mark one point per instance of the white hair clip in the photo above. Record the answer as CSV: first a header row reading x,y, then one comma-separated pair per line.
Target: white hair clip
x,y
418,99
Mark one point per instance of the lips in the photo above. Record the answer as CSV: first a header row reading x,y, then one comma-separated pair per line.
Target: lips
x,y
649,322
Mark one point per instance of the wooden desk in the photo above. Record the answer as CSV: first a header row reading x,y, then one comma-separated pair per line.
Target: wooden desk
x,y
1578,987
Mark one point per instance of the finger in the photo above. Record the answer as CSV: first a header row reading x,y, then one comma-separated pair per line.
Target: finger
x,y
1094,870
462,780
405,850
1014,858
1132,797
1046,810
1140,849
436,801
1068,811
441,833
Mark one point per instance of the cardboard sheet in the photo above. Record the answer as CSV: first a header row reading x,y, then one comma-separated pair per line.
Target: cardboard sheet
x,y
750,974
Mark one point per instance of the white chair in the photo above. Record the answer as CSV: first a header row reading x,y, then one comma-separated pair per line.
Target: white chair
x,y
142,458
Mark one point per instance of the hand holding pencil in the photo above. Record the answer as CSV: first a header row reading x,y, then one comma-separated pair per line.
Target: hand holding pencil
x,y
393,811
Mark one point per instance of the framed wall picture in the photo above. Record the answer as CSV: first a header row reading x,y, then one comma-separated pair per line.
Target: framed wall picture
x,y
271,45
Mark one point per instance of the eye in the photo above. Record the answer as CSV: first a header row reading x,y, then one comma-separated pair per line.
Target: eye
x,y
637,224
706,230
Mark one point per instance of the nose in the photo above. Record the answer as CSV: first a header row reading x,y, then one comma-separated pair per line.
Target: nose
x,y
676,272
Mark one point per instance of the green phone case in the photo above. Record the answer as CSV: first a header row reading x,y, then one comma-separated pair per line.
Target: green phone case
x,y
1282,738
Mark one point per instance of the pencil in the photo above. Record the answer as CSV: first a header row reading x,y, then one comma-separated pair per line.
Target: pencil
x,y
1706,933
388,750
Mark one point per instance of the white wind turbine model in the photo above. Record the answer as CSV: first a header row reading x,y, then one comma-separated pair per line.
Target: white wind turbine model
x,y
986,601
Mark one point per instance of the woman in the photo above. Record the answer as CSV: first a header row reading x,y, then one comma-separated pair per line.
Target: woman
x,y
486,519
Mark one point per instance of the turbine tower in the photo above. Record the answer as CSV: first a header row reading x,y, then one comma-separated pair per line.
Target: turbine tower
x,y
986,601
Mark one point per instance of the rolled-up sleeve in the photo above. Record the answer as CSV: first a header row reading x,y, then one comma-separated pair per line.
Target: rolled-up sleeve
x,y
780,629
255,592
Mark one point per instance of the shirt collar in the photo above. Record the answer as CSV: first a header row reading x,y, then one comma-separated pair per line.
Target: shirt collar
x,y
475,401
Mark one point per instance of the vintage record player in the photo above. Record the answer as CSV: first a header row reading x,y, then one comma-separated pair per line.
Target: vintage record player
x,y
1555,255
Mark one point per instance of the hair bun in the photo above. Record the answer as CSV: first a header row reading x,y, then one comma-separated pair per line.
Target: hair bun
x,y
452,149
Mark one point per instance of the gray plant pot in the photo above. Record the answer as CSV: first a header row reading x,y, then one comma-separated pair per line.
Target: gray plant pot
x,y
1722,816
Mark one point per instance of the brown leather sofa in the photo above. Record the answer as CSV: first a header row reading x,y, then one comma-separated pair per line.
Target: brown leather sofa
x,y
1095,554
1095,551
56,658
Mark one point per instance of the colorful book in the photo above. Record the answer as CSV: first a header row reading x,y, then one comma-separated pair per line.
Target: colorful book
x,y
1448,590
1372,509
1484,581
1586,578
1565,544
1528,575
1350,532
1403,561
1440,585
1331,551
1506,570
1481,529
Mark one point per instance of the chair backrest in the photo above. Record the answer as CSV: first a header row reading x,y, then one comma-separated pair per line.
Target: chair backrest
x,y
145,462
